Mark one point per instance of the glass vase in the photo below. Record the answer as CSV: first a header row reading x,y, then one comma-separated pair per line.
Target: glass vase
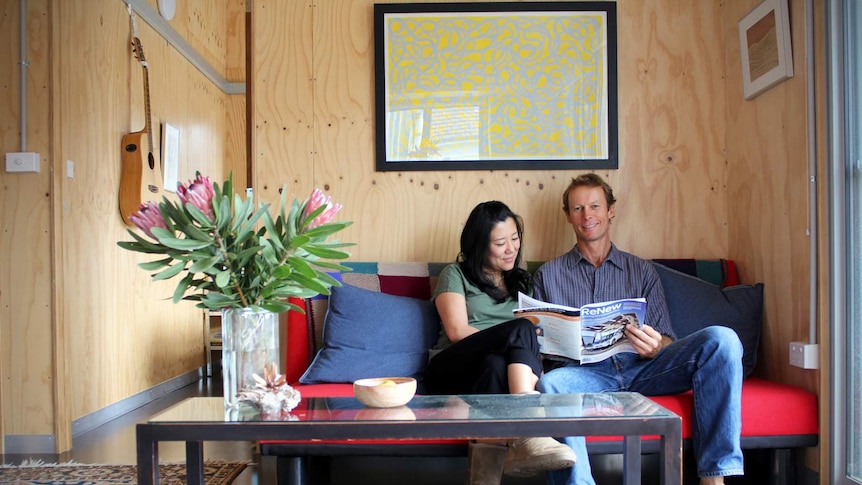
x,y
249,343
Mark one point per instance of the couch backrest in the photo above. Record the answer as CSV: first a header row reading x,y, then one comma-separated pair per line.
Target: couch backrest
x,y
417,280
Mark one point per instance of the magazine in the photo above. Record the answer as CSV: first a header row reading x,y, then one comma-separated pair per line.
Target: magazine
x,y
587,334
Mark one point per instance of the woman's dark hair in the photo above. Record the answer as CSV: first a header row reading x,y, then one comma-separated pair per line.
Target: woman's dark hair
x,y
475,239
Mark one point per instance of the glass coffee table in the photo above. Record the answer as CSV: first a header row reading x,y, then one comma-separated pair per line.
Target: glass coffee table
x,y
625,414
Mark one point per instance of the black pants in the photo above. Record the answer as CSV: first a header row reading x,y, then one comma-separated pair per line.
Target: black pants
x,y
478,364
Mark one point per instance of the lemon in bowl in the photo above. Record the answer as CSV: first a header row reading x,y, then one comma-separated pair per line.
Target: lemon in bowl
x,y
385,392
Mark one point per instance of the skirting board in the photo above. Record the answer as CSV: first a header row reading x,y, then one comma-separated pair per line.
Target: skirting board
x,y
45,444
102,416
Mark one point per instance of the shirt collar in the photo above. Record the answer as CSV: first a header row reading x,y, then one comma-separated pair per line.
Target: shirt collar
x,y
614,257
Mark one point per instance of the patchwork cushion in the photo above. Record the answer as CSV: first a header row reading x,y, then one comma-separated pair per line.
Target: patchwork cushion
x,y
721,272
694,304
372,334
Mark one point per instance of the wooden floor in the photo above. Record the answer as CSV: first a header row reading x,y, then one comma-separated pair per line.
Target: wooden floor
x,y
114,442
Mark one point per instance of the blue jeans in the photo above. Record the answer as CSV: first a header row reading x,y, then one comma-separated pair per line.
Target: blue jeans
x,y
709,362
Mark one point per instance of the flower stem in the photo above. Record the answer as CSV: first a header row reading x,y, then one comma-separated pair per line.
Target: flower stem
x,y
224,255
281,261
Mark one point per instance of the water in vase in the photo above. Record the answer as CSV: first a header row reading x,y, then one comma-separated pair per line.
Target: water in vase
x,y
249,343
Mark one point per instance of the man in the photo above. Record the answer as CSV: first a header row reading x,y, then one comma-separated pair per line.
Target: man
x,y
708,361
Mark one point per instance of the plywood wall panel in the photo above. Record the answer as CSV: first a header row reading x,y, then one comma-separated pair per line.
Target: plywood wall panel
x,y
671,138
125,334
26,371
204,24
235,153
94,305
768,190
235,55
282,113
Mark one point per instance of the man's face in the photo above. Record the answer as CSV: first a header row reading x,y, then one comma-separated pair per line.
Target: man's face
x,y
589,214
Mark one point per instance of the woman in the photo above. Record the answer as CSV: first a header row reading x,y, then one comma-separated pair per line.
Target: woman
x,y
482,349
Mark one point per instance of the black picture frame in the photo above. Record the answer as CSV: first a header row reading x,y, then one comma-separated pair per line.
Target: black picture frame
x,y
494,86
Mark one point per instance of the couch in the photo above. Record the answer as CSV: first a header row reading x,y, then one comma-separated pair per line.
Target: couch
x,y
381,323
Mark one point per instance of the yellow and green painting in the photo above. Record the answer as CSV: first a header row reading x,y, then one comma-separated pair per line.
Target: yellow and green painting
x,y
496,86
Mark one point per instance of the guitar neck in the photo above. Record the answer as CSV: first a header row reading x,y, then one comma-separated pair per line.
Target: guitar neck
x,y
148,125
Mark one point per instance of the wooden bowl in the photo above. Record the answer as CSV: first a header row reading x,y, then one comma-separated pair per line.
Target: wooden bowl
x,y
400,413
385,392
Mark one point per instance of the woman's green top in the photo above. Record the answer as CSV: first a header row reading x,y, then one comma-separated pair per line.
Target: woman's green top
x,y
482,310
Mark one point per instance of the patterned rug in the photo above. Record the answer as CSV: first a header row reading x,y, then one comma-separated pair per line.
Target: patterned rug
x,y
215,473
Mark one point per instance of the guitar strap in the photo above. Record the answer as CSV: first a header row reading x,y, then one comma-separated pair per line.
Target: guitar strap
x,y
134,24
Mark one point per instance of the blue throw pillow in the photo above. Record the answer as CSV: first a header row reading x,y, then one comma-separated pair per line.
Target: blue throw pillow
x,y
371,334
694,304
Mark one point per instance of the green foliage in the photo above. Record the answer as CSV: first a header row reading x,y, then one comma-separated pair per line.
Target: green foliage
x,y
243,258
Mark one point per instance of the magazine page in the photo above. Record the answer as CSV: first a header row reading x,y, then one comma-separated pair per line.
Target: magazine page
x,y
528,302
588,334
603,327
558,327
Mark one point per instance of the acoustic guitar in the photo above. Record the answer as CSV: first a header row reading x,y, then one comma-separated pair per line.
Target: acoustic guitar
x,y
141,173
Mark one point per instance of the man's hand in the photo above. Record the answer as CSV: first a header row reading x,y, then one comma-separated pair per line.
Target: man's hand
x,y
646,341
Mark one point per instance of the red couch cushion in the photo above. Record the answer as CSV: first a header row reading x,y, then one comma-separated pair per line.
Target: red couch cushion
x,y
299,351
760,399
324,390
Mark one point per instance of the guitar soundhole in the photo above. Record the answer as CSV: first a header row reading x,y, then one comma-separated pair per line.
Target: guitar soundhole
x,y
152,161
131,147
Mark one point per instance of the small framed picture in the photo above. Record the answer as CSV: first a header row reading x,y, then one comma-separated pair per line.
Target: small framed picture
x,y
170,156
765,48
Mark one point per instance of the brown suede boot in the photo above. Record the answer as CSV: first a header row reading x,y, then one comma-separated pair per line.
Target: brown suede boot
x,y
485,462
527,457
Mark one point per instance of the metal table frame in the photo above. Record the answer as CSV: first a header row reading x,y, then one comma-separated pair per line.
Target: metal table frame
x,y
195,431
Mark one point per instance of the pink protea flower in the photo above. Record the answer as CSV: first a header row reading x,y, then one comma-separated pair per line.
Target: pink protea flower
x,y
148,217
199,193
316,200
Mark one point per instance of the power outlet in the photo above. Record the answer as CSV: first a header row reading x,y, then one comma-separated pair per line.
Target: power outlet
x,y
22,162
804,355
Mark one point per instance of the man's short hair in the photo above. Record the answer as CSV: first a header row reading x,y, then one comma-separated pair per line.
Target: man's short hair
x,y
588,180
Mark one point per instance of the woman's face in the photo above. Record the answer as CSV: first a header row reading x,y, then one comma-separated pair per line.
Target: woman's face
x,y
503,247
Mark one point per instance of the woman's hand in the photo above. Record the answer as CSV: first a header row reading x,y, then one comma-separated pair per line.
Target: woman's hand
x,y
452,308
646,341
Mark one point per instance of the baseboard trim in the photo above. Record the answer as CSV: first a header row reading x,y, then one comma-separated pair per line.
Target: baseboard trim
x,y
113,411
29,444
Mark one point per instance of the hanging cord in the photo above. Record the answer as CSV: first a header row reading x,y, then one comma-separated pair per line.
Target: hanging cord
x,y
814,261
133,23
24,63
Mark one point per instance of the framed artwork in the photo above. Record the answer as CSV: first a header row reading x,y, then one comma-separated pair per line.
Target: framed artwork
x,y
765,49
501,85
